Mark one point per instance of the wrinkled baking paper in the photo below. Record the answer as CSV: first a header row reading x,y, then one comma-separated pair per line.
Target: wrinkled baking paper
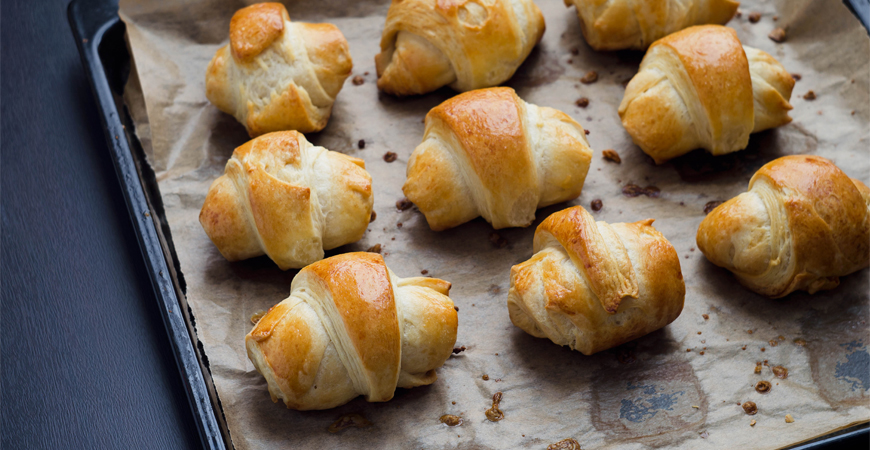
x,y
659,390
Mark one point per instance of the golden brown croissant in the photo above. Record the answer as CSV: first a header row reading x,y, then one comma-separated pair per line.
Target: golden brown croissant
x,y
802,225
699,88
488,153
635,24
278,75
593,285
283,197
467,44
352,327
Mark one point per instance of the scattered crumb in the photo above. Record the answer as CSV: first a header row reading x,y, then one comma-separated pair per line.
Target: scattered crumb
x,y
699,332
458,350
358,80
564,444
453,403
705,435
390,157
590,77
810,95
494,414
758,367
633,190
773,342
762,387
754,17
374,248
789,418
750,408
777,35
596,205
485,377
582,102
373,217
796,76
780,372
752,423
762,348
705,316
497,240
450,420
587,131
348,421
701,353
399,225
743,348
403,204
611,155
361,144
775,18
748,331
456,308
739,13
696,406
424,272
800,342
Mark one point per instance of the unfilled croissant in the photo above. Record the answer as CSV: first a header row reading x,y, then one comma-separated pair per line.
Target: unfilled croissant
x,y
699,88
593,285
467,44
283,197
801,226
278,75
352,327
635,24
488,153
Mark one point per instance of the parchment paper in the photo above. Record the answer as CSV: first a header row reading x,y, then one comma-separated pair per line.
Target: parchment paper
x,y
659,390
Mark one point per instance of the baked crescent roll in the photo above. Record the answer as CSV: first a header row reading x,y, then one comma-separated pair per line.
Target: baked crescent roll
x,y
467,44
352,327
275,74
283,197
593,285
802,225
699,88
635,24
488,153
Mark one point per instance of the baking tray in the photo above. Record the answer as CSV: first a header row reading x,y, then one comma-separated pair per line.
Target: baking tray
x,y
100,38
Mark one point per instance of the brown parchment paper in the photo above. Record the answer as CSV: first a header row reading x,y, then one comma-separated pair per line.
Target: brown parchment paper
x,y
658,391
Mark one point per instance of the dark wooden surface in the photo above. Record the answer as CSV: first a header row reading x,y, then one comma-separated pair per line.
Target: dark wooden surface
x,y
85,361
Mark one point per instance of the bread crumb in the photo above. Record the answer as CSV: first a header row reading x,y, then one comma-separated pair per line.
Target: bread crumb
x,y
754,17
752,423
361,144
485,377
777,35
374,248
590,77
373,217
358,80
789,418
611,155
390,157
596,205
810,95
403,204
796,76
582,102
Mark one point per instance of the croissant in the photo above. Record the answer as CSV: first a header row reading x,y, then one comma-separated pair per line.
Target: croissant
x,y
283,197
467,44
699,88
278,75
593,285
635,24
802,225
352,327
489,153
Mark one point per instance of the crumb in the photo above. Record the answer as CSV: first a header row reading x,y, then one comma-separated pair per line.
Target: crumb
x,y
633,190
739,14
424,272
705,435
701,353
373,217
456,308
743,348
710,206
777,35
587,131
796,76
497,240
403,204
611,155
758,367
750,408
497,355
696,407
582,102
458,350
590,77
453,403
752,423
361,144
800,342
705,316
699,332
775,18
596,205
754,17
762,387
485,377
853,112
392,238
688,350
810,95
358,80
762,348
399,225
390,157
748,331
780,372
374,248
789,418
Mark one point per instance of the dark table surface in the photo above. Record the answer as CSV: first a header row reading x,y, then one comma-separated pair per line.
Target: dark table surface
x,y
85,361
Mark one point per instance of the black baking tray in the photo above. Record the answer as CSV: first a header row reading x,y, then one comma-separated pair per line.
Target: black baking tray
x,y
100,36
